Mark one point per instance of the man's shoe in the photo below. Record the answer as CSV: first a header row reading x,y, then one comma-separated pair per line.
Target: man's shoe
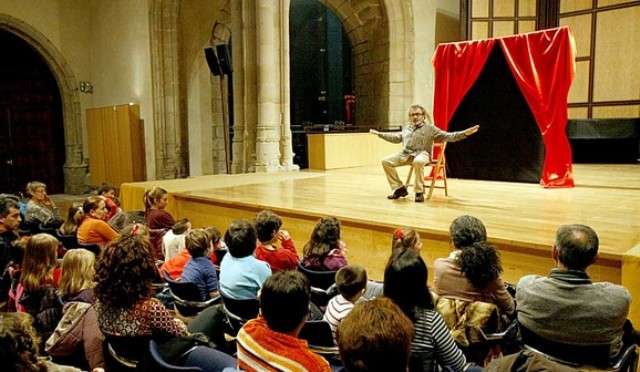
x,y
419,197
400,192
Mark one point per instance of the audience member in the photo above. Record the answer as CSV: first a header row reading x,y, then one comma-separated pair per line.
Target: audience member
x,y
405,282
175,265
126,306
406,238
241,273
219,246
19,346
325,250
41,209
173,240
566,306
74,219
199,269
13,271
77,339
268,227
9,224
375,336
270,342
108,192
157,219
93,229
472,270
351,282
36,293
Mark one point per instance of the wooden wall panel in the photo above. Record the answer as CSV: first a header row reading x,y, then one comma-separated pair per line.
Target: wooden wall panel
x,y
579,92
116,145
574,5
617,40
623,111
581,27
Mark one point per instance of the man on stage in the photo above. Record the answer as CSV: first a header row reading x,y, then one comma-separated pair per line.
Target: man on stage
x,y
417,140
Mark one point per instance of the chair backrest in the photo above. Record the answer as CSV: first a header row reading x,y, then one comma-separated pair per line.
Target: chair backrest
x,y
187,291
317,333
91,247
127,351
158,364
47,230
243,310
68,241
318,279
570,354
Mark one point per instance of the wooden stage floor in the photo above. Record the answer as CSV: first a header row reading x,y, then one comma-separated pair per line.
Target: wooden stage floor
x,y
521,218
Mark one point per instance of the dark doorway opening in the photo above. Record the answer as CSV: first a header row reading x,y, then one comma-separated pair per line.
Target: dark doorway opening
x,y
31,125
321,72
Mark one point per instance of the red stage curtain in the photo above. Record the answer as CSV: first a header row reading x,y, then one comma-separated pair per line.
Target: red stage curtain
x,y
542,64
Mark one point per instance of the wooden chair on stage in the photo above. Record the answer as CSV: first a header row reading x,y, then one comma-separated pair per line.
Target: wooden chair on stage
x,y
438,171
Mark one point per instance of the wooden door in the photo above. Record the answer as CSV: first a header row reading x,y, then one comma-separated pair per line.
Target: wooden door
x,y
31,128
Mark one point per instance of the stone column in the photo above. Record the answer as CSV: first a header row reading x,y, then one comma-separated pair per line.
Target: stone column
x,y
286,149
272,36
170,135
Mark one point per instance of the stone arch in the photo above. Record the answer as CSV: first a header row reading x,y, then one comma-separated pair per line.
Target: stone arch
x,y
75,170
381,33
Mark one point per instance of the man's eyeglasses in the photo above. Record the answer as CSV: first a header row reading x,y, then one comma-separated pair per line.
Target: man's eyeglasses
x,y
416,114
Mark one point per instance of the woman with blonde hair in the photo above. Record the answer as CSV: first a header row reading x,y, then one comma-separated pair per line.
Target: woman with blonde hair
x,y
36,293
94,229
74,218
77,339
157,219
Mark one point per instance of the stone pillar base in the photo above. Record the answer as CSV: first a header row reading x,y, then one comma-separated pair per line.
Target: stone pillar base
x,y
75,179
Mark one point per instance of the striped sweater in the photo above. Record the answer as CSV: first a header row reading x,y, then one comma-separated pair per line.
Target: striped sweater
x,y
432,343
261,349
337,309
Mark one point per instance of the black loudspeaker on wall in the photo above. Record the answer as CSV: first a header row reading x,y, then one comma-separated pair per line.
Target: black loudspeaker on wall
x,y
212,61
224,57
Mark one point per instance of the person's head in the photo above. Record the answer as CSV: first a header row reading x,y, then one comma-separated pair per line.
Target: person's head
x,y
214,235
375,336
480,264
74,218
136,229
351,281
107,190
284,301
198,243
418,114
267,225
405,281
181,226
95,207
576,246
241,238
155,198
37,190
125,271
9,213
466,230
39,261
406,238
18,342
77,271
324,237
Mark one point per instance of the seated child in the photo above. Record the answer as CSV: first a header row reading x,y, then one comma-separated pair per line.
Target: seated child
x,y
199,269
173,240
175,266
268,226
241,273
351,282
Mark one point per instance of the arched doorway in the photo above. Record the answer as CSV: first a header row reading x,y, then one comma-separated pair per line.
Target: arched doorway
x,y
32,144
